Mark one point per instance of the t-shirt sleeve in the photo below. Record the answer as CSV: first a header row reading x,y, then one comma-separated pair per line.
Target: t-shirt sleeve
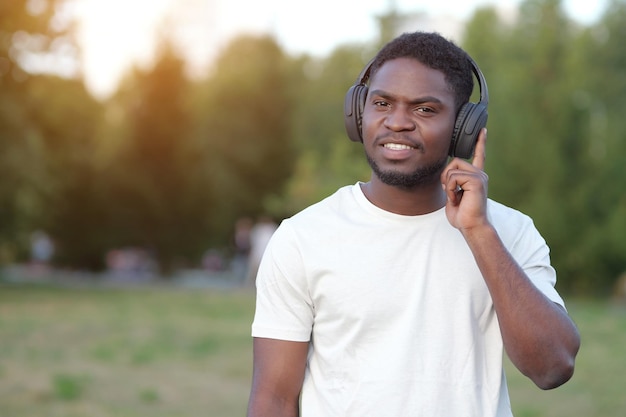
x,y
531,251
283,307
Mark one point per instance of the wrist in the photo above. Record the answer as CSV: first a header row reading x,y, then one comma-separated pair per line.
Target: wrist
x,y
479,232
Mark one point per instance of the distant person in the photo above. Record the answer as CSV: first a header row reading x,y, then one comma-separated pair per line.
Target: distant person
x,y
398,297
41,249
241,240
260,235
212,261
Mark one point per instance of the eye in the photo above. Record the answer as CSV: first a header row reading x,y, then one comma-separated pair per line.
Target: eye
x,y
423,109
381,103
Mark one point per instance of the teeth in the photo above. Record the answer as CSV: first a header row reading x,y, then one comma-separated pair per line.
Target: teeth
x,y
397,146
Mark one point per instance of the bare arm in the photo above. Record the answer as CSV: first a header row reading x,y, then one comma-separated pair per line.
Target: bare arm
x,y
278,372
538,335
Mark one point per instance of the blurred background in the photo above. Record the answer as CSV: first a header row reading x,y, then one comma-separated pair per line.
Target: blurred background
x,y
149,148
146,135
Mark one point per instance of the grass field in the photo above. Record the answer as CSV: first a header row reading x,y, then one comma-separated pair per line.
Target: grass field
x,y
174,352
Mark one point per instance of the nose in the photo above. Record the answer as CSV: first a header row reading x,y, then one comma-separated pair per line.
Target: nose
x,y
399,120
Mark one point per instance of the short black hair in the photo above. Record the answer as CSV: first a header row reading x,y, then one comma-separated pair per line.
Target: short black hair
x,y
436,52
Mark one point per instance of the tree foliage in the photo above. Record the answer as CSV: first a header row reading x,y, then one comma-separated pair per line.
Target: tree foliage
x,y
158,206
171,163
34,131
245,127
553,143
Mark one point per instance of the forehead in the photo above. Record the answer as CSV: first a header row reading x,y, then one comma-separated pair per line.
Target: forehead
x,y
408,76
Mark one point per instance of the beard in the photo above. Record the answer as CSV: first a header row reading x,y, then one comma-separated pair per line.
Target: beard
x,y
420,176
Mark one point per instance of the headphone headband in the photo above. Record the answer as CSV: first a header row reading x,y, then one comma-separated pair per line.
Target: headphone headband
x,y
482,83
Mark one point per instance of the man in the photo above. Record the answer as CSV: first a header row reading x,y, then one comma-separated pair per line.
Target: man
x,y
396,297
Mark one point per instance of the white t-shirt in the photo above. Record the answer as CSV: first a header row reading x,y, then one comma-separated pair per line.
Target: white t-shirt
x,y
399,318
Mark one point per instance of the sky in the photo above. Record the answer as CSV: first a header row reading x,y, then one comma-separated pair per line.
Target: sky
x,y
116,34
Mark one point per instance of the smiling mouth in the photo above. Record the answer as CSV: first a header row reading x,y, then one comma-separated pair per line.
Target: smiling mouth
x,y
397,146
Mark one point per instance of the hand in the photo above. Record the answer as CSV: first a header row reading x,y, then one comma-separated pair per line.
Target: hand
x,y
465,185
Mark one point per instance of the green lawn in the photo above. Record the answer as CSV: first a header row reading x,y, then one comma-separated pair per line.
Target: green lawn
x,y
598,386
174,352
120,353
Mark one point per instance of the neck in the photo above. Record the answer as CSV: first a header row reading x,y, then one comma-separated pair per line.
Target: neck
x,y
422,199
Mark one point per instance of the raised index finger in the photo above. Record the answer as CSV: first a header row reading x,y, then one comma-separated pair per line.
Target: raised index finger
x,y
480,150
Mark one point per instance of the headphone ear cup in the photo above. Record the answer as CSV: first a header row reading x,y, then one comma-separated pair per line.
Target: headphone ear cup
x,y
470,120
353,106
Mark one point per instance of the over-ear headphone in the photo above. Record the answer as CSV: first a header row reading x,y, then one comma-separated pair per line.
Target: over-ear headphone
x,y
471,118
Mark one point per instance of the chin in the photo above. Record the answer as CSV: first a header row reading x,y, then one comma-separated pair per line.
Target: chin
x,y
424,175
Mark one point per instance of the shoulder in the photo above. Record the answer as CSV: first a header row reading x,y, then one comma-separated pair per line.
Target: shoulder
x,y
320,223
503,214
340,201
513,226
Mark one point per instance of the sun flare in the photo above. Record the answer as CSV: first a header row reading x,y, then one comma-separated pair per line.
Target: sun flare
x,y
113,35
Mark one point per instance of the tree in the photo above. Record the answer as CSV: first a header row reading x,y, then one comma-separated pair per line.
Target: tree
x,y
553,136
71,208
245,129
26,34
326,158
598,250
155,202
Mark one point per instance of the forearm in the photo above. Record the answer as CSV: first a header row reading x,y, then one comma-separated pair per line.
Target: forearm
x,y
538,335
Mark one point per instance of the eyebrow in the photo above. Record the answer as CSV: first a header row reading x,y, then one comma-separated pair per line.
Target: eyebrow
x,y
419,100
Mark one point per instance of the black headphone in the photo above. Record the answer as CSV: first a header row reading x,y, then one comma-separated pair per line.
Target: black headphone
x,y
472,117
